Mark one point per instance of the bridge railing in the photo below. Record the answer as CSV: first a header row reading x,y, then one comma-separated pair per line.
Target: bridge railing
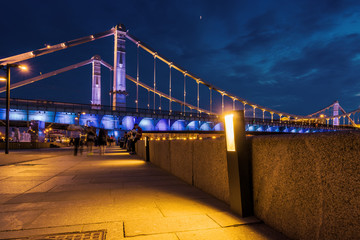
x,y
295,123
78,108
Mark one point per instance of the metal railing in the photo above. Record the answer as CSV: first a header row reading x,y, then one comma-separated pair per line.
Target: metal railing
x,y
78,108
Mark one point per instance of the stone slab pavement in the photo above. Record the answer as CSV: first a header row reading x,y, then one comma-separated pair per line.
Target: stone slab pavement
x,y
46,192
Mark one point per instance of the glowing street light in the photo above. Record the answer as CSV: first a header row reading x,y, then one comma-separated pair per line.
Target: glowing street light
x,y
7,68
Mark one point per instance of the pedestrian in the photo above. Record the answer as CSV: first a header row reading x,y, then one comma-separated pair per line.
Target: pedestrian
x,y
123,141
131,138
90,140
102,140
136,138
16,134
82,143
76,141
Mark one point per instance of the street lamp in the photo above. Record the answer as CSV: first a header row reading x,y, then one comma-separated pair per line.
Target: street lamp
x,y
7,68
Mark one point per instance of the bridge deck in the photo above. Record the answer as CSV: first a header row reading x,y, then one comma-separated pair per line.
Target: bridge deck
x,y
54,192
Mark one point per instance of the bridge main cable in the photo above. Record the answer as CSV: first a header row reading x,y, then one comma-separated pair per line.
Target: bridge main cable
x,y
197,79
46,75
54,48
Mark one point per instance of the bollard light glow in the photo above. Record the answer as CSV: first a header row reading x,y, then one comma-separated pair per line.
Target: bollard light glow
x,y
229,127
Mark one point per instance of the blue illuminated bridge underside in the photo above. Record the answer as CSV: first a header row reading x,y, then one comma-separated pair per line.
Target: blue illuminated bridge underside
x,y
149,120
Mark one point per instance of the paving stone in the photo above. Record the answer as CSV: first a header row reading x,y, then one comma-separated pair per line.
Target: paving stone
x,y
8,186
226,219
17,220
51,183
72,194
167,225
251,232
76,215
114,230
165,236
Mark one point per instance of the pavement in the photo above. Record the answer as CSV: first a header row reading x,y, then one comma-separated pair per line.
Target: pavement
x,y
51,194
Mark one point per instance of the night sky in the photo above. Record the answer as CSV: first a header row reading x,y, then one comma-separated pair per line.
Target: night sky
x,y
292,56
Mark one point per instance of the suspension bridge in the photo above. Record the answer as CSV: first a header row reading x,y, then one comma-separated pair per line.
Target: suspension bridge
x,y
162,111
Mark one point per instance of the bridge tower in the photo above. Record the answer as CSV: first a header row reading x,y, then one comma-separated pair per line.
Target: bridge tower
x,y
119,82
335,113
96,82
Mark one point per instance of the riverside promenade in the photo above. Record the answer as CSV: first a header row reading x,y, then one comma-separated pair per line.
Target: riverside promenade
x,y
51,194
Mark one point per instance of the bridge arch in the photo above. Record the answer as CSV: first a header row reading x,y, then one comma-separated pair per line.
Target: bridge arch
x,y
206,126
162,125
65,118
89,120
147,124
128,122
178,125
193,125
219,127
109,122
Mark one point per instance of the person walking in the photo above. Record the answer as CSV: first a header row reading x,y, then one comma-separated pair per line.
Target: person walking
x,y
76,141
102,141
90,141
136,138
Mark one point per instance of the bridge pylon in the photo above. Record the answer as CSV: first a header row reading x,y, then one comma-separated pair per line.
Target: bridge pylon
x,y
119,81
96,82
336,113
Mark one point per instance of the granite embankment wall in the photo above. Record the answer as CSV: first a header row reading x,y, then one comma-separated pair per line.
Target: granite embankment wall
x,y
201,163
306,186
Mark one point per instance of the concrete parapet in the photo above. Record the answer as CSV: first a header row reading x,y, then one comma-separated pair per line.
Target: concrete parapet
x,y
306,185
201,163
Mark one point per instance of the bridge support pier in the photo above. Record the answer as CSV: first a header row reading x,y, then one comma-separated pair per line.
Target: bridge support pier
x,y
119,82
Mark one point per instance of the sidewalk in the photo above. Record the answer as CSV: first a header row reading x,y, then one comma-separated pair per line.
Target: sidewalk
x,y
116,195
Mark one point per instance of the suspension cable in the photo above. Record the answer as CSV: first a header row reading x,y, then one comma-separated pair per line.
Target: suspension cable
x,y
254,113
222,103
137,80
154,80
159,102
184,93
263,115
170,88
148,100
244,109
198,98
210,89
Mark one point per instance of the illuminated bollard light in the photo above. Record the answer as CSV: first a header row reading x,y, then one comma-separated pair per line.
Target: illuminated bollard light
x,y
238,162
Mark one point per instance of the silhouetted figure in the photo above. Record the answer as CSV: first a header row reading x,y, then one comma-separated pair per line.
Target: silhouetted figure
x,y
102,140
136,138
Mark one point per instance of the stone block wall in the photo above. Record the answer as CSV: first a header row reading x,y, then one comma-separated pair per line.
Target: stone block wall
x,y
201,163
306,186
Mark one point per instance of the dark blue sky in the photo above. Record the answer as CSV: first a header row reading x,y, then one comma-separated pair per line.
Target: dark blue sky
x,y
293,56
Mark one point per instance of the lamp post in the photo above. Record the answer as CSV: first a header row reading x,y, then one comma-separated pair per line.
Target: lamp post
x,y
7,69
